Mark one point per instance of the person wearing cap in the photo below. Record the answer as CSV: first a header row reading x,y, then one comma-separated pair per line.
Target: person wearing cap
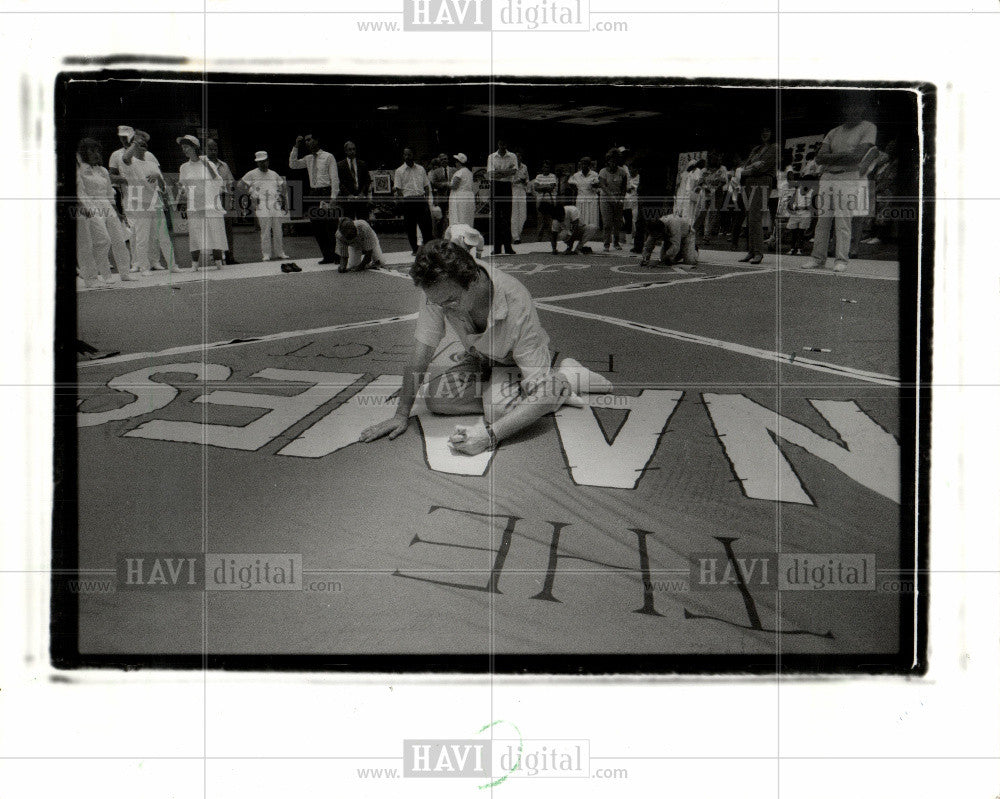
x,y
267,191
125,133
357,246
143,205
412,187
355,184
462,196
320,205
466,236
201,187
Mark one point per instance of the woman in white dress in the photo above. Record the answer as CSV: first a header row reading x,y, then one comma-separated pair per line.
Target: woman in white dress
x,y
586,182
519,200
462,200
99,231
202,186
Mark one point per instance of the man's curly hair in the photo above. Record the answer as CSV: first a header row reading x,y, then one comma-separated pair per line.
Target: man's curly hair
x,y
439,260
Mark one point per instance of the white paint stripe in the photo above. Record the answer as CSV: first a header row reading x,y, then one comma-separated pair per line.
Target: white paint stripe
x,y
742,349
649,284
138,356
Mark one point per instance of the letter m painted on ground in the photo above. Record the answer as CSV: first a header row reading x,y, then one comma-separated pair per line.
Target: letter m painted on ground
x,y
749,433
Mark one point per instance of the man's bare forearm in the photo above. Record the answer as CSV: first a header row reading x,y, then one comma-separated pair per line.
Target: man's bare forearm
x,y
548,397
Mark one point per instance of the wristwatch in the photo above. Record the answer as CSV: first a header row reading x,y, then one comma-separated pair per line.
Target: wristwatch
x,y
493,436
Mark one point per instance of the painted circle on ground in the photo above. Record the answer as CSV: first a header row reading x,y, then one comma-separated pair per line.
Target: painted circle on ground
x,y
620,269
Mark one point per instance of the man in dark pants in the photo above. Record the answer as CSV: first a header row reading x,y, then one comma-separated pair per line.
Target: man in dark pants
x,y
413,191
759,175
319,205
501,167
440,177
355,182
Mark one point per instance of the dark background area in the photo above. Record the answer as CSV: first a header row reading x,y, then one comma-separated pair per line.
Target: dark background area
x,y
543,120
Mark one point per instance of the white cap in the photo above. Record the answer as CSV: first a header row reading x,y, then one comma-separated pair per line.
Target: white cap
x,y
125,130
460,157
260,155
189,139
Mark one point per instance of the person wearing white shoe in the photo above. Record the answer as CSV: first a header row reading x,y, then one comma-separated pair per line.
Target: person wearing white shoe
x,y
840,196
201,188
267,191
519,200
506,373
143,205
99,230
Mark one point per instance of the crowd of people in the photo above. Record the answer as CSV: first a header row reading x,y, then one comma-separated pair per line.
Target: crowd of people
x,y
124,210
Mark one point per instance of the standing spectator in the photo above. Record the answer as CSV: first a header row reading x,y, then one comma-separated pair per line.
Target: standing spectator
x,y
519,200
778,205
319,206
413,189
440,178
566,191
125,134
587,182
201,187
696,199
800,214
678,241
568,226
630,208
685,189
501,169
713,183
757,180
736,209
357,246
462,197
267,192
546,189
613,181
810,176
839,187
883,175
227,197
355,184
98,228
144,206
